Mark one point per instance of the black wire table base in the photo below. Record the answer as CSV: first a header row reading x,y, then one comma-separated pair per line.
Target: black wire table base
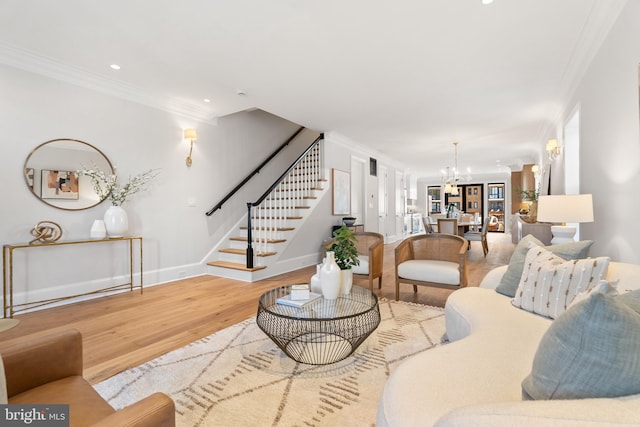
x,y
322,332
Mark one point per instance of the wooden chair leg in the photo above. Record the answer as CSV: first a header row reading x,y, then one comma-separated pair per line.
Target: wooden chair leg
x,y
397,290
380,282
415,289
371,283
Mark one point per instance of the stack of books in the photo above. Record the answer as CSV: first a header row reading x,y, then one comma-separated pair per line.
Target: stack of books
x,y
287,300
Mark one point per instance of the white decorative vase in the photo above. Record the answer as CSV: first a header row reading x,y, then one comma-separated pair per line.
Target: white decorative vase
x,y
98,230
116,221
346,281
316,280
330,273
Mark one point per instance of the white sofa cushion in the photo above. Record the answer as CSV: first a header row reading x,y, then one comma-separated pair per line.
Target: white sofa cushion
x,y
363,267
483,372
430,271
548,413
3,385
485,367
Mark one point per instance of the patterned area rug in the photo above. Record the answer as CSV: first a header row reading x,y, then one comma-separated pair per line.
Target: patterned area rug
x,y
238,377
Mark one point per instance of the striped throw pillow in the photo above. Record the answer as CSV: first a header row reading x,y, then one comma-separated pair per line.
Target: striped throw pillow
x,y
549,284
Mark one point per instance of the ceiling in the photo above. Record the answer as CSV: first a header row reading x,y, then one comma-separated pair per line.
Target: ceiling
x,y
403,78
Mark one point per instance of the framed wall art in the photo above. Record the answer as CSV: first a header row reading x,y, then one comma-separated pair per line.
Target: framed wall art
x,y
341,192
58,184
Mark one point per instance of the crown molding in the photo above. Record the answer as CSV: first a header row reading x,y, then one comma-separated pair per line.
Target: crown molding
x,y
34,63
362,149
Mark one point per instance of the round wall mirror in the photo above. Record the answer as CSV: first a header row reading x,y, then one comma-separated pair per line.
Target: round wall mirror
x,y
51,173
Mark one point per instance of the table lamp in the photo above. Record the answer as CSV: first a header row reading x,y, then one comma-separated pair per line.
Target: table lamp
x,y
563,209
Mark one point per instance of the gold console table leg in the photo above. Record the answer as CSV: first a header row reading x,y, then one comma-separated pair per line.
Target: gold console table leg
x,y
7,269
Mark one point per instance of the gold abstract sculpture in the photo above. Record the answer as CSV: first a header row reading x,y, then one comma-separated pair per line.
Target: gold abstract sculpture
x,y
45,232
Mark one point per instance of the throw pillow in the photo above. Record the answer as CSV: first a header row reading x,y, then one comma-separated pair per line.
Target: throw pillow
x,y
603,287
549,283
511,278
591,351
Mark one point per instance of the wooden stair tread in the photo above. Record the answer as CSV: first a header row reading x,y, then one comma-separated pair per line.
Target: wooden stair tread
x,y
244,252
291,189
244,239
234,266
244,227
296,198
295,207
277,217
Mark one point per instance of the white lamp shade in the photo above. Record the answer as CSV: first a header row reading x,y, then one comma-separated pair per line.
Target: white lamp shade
x,y
565,208
190,134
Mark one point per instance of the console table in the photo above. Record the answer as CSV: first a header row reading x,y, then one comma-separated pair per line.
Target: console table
x,y
7,267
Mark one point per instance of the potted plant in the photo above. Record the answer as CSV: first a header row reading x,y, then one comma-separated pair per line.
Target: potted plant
x,y
107,186
345,254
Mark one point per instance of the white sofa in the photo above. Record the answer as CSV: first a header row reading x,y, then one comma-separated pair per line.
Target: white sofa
x,y
475,380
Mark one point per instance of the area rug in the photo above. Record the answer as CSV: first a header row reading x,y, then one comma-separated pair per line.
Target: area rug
x,y
239,377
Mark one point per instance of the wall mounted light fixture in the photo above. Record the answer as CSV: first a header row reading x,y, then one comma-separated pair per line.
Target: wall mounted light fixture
x,y
191,136
553,149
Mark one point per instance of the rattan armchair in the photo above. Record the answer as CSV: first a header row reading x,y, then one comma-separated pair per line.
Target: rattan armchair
x,y
370,254
437,259
370,248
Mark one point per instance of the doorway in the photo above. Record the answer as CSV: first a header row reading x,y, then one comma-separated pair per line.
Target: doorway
x,y
572,160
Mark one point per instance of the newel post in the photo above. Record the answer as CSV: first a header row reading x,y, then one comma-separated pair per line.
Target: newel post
x,y
249,238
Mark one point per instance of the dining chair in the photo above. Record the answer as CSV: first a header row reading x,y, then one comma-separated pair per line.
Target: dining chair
x,y
480,236
448,225
428,228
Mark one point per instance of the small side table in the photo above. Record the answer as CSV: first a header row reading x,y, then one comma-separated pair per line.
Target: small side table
x,y
322,332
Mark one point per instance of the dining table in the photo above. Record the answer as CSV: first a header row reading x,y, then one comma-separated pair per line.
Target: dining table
x,y
463,226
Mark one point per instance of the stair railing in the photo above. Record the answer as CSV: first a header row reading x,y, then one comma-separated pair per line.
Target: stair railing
x,y
253,173
271,213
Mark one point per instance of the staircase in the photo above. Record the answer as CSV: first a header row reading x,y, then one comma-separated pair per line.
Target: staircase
x,y
271,222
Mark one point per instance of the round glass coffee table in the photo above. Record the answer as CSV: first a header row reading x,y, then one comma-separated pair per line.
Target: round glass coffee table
x,y
323,331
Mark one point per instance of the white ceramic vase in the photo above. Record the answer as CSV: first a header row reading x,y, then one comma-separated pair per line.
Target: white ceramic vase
x,y
316,280
116,221
330,274
98,230
346,281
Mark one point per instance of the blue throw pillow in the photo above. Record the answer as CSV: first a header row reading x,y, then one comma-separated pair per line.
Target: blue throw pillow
x,y
511,278
589,351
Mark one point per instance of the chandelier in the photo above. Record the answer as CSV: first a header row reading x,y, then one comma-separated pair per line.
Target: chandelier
x,y
451,177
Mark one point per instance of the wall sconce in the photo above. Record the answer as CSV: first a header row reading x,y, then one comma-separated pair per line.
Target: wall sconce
x,y
190,135
552,149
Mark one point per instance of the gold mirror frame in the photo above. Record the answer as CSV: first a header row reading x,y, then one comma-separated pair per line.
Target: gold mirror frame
x,y
56,157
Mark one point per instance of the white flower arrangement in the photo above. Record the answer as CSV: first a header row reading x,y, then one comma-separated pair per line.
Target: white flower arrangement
x,y
107,186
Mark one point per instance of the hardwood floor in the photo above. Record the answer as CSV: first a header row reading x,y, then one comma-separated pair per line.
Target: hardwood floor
x,y
125,330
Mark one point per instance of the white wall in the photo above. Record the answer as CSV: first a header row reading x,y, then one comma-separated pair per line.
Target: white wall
x,y
340,152
607,98
34,109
